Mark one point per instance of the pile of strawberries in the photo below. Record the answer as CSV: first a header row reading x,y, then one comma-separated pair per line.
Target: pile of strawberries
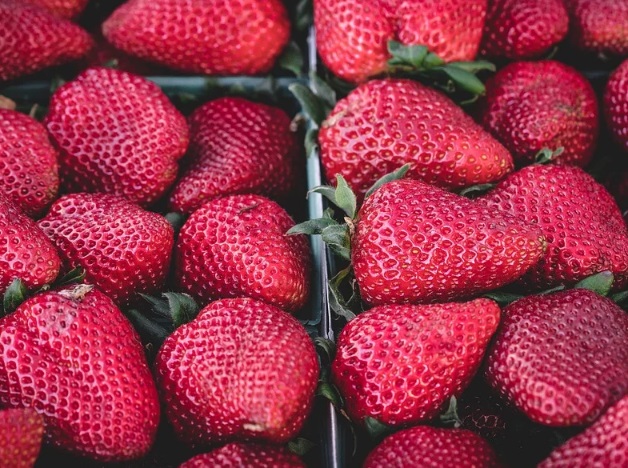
x,y
151,269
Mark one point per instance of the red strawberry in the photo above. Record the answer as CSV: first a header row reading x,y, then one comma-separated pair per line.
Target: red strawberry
x,y
616,104
33,39
605,443
241,370
599,26
561,358
424,446
238,146
64,8
237,246
21,431
118,134
212,37
520,29
535,105
124,249
400,364
581,222
245,456
25,251
352,35
71,355
385,124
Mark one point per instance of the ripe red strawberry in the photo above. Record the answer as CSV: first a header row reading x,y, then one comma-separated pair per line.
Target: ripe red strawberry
x,y
63,8
561,358
72,355
123,249
400,364
118,134
605,443
33,39
237,246
246,456
238,146
21,431
385,124
25,251
581,222
352,36
426,446
28,162
241,370
520,29
616,104
213,37
599,26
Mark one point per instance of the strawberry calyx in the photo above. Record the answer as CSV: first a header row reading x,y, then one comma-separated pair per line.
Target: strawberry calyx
x,y
450,417
546,155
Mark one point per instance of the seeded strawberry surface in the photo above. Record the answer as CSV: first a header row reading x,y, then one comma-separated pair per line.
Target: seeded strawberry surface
x,y
616,104
245,456
64,8
21,432
599,25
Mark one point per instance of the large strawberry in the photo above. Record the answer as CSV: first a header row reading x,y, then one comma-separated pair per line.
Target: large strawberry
x,y
117,133
123,249
212,37
21,432
237,146
616,104
64,8
241,370
535,105
242,455
385,124
72,356
599,26
561,358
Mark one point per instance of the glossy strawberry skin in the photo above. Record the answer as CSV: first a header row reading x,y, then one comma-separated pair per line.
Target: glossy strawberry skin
x,y
237,246
599,26
242,370
561,358
123,249
63,8
72,356
117,133
236,147
242,37
21,432
616,104
385,124
245,456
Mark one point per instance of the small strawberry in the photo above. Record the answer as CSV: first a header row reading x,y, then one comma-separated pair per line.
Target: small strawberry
x,y
561,358
63,8
21,432
241,370
535,105
242,455
117,133
616,104
599,26
237,146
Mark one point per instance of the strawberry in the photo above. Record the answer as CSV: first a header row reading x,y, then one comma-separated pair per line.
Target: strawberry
x,y
245,456
582,224
400,364
241,369
63,8
599,26
72,355
123,249
236,246
424,446
616,104
520,29
212,37
21,431
535,105
384,124
352,35
25,251
117,133
237,146
561,358
605,443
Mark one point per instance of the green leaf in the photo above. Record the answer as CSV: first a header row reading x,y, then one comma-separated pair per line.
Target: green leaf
x,y
502,298
303,15
395,175
310,103
412,55
149,331
14,295
312,226
476,190
599,283
327,191
464,79
301,446
450,417
475,66
75,275
546,155
338,304
432,61
376,430
337,238
326,347
620,297
560,287
329,392
345,198
55,83
324,91
292,59
183,308
311,141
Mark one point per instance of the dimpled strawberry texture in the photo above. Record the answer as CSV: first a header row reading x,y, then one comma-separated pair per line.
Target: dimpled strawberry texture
x,y
561,358
29,172
25,251
616,104
237,246
238,146
246,456
352,35
80,364
117,133
213,37
400,364
599,26
242,370
424,446
32,38
21,432
64,8
124,249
